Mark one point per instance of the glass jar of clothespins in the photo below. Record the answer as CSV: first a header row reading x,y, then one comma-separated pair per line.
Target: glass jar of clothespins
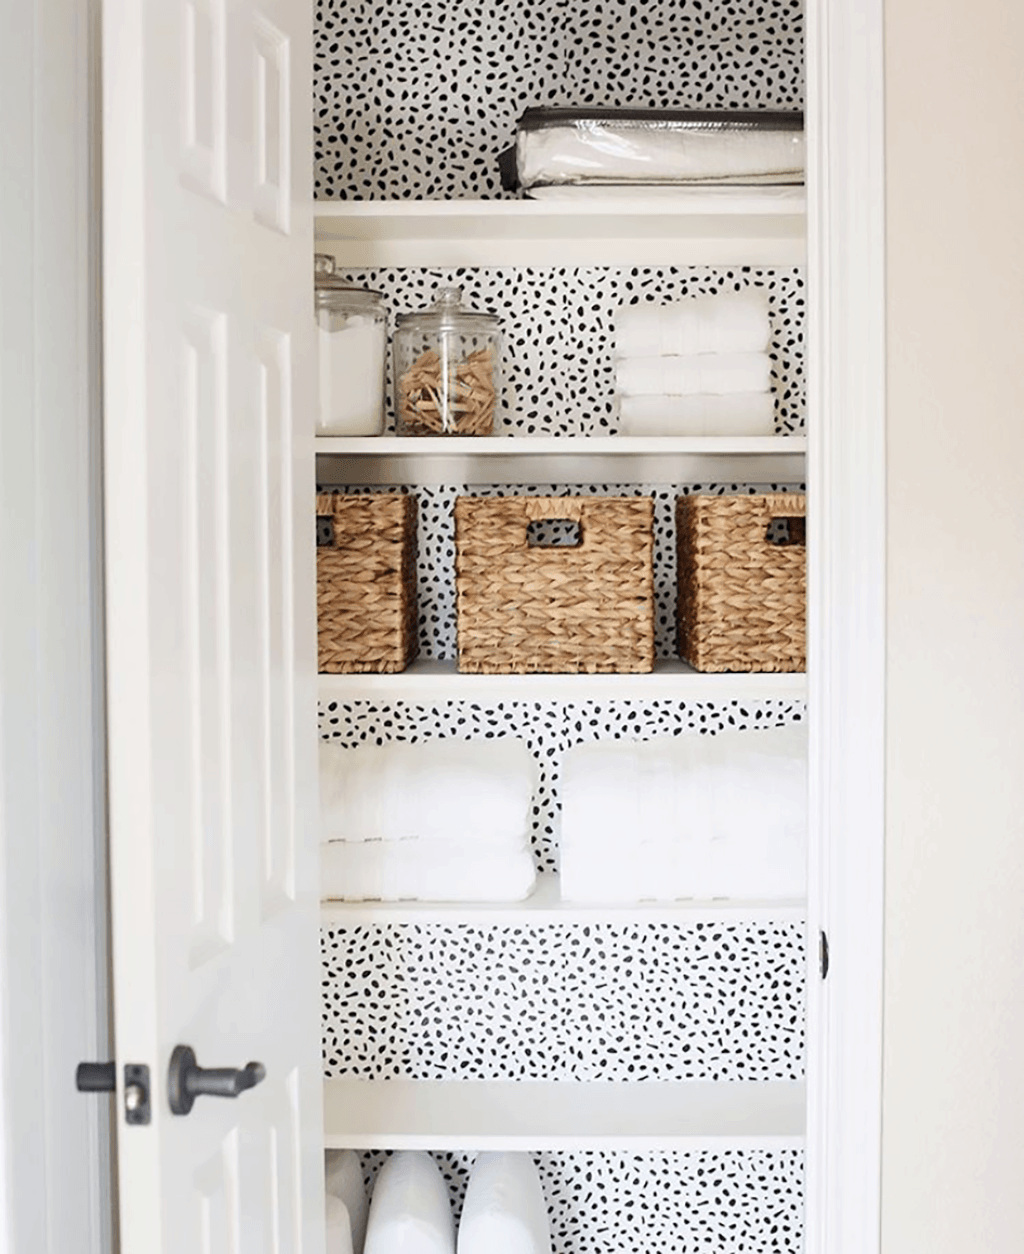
x,y
447,375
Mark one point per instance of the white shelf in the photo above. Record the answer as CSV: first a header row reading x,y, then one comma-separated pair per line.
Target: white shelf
x,y
545,906
549,1115
692,227
440,681
559,459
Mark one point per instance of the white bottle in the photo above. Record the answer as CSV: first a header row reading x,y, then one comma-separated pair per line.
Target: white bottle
x,y
352,346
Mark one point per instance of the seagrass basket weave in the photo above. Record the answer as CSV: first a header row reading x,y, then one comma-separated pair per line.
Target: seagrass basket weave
x,y
742,596
524,607
366,583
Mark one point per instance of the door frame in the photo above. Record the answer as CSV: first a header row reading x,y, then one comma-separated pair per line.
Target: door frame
x,y
846,608
846,542
55,1144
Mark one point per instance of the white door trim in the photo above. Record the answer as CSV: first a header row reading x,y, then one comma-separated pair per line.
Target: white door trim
x,y
846,542
54,1142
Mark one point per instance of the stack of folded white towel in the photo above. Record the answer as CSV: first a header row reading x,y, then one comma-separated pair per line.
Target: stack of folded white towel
x,y
686,816
446,820
504,1211
695,367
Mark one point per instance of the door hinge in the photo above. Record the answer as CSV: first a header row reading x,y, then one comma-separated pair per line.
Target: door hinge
x,y
823,955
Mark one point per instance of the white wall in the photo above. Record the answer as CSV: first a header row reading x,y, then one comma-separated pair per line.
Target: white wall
x,y
953,1138
52,932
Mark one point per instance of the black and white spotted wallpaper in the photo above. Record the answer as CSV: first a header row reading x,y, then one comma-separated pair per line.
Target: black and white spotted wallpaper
x,y
649,1202
558,340
416,98
564,1001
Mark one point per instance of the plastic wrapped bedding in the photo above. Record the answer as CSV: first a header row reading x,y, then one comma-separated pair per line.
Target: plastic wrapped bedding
x,y
631,148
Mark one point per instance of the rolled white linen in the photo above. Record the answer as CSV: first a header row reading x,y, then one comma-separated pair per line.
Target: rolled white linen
x,y
424,870
440,789
504,1211
343,1179
604,152
730,322
686,816
338,1227
739,413
410,1212
703,373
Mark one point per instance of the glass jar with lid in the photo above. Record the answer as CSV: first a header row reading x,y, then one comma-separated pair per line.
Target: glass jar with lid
x,y
352,335
447,376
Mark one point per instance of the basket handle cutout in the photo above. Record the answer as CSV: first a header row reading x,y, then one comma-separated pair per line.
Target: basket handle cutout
x,y
554,533
325,531
786,532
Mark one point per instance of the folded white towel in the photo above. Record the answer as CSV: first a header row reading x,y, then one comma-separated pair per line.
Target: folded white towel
x,y
410,1212
686,816
338,1234
504,1211
444,789
343,1179
424,870
685,376
741,413
730,322
602,152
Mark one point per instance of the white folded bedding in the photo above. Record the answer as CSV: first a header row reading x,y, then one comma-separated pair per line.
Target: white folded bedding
x,y
410,1212
702,373
728,322
604,151
504,1211
425,870
716,198
741,413
343,1179
442,789
686,816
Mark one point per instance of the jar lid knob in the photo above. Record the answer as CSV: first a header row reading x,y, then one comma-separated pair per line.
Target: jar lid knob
x,y
448,298
323,264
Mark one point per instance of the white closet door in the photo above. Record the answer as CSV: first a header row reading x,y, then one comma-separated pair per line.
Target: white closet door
x,y
210,595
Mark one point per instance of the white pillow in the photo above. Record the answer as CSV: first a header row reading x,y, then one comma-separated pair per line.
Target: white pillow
x,y
343,1174
504,1211
339,1228
410,1212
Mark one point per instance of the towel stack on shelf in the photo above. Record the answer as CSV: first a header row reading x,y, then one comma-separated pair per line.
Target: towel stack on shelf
x,y
686,817
695,367
448,820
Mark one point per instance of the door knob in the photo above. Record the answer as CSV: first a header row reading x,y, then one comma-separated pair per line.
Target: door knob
x,y
186,1081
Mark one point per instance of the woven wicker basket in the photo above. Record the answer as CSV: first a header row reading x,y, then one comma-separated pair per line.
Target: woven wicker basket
x,y
524,608
366,583
742,599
